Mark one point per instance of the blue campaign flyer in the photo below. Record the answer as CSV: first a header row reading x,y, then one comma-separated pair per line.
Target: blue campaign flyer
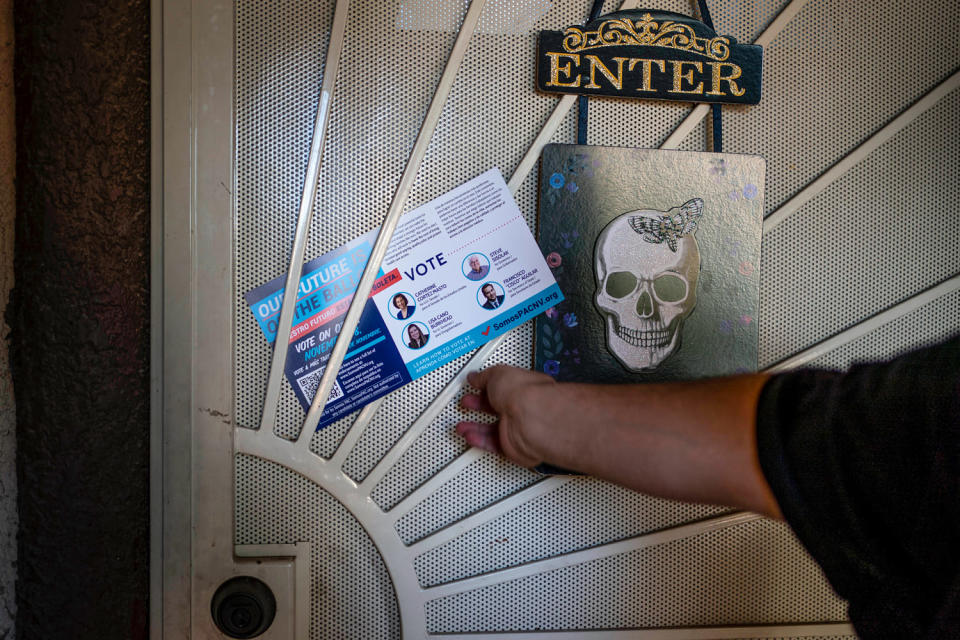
x,y
460,271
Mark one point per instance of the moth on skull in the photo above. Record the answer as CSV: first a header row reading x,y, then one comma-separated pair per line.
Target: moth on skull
x,y
647,265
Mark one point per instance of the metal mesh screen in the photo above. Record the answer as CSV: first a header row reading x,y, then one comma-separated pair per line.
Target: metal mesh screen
x,y
393,419
439,445
726,577
279,69
827,86
580,514
832,264
489,479
932,323
846,255
325,442
276,506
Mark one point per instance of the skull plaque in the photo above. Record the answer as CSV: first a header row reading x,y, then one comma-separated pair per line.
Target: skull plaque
x,y
647,264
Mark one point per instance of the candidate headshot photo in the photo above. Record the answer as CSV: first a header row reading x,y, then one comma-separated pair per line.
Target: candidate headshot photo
x,y
403,306
416,335
476,266
490,295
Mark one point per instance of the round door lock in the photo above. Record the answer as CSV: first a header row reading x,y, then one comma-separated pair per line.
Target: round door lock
x,y
243,607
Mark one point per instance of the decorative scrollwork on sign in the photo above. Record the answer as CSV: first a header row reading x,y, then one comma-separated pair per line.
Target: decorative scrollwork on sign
x,y
648,33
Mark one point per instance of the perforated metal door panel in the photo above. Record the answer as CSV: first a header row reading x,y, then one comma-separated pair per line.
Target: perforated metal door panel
x,y
411,534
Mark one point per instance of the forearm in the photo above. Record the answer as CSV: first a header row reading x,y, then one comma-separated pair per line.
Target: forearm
x,y
693,441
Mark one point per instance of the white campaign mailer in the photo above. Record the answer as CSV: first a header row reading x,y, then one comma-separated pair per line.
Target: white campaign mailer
x,y
461,270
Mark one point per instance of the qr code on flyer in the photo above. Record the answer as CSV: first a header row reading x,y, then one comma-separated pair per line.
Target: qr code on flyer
x,y
311,382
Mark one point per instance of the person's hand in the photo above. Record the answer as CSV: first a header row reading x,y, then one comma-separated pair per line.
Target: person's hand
x,y
518,398
693,441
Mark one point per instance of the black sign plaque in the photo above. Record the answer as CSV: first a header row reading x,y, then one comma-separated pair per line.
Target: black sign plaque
x,y
649,54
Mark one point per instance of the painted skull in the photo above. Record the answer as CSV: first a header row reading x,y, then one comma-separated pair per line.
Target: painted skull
x,y
647,265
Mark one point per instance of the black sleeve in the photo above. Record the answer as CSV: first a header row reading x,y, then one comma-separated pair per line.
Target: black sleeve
x,y
864,466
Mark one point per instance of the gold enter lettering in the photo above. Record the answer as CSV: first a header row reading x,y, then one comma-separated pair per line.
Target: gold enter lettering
x,y
615,80
687,76
647,71
718,77
679,76
556,69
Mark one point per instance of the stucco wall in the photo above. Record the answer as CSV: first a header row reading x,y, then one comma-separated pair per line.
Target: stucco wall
x,y
79,318
8,475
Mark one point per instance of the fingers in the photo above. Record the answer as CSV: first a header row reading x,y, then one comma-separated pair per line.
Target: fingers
x,y
504,375
480,435
476,403
479,379
487,437
505,392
